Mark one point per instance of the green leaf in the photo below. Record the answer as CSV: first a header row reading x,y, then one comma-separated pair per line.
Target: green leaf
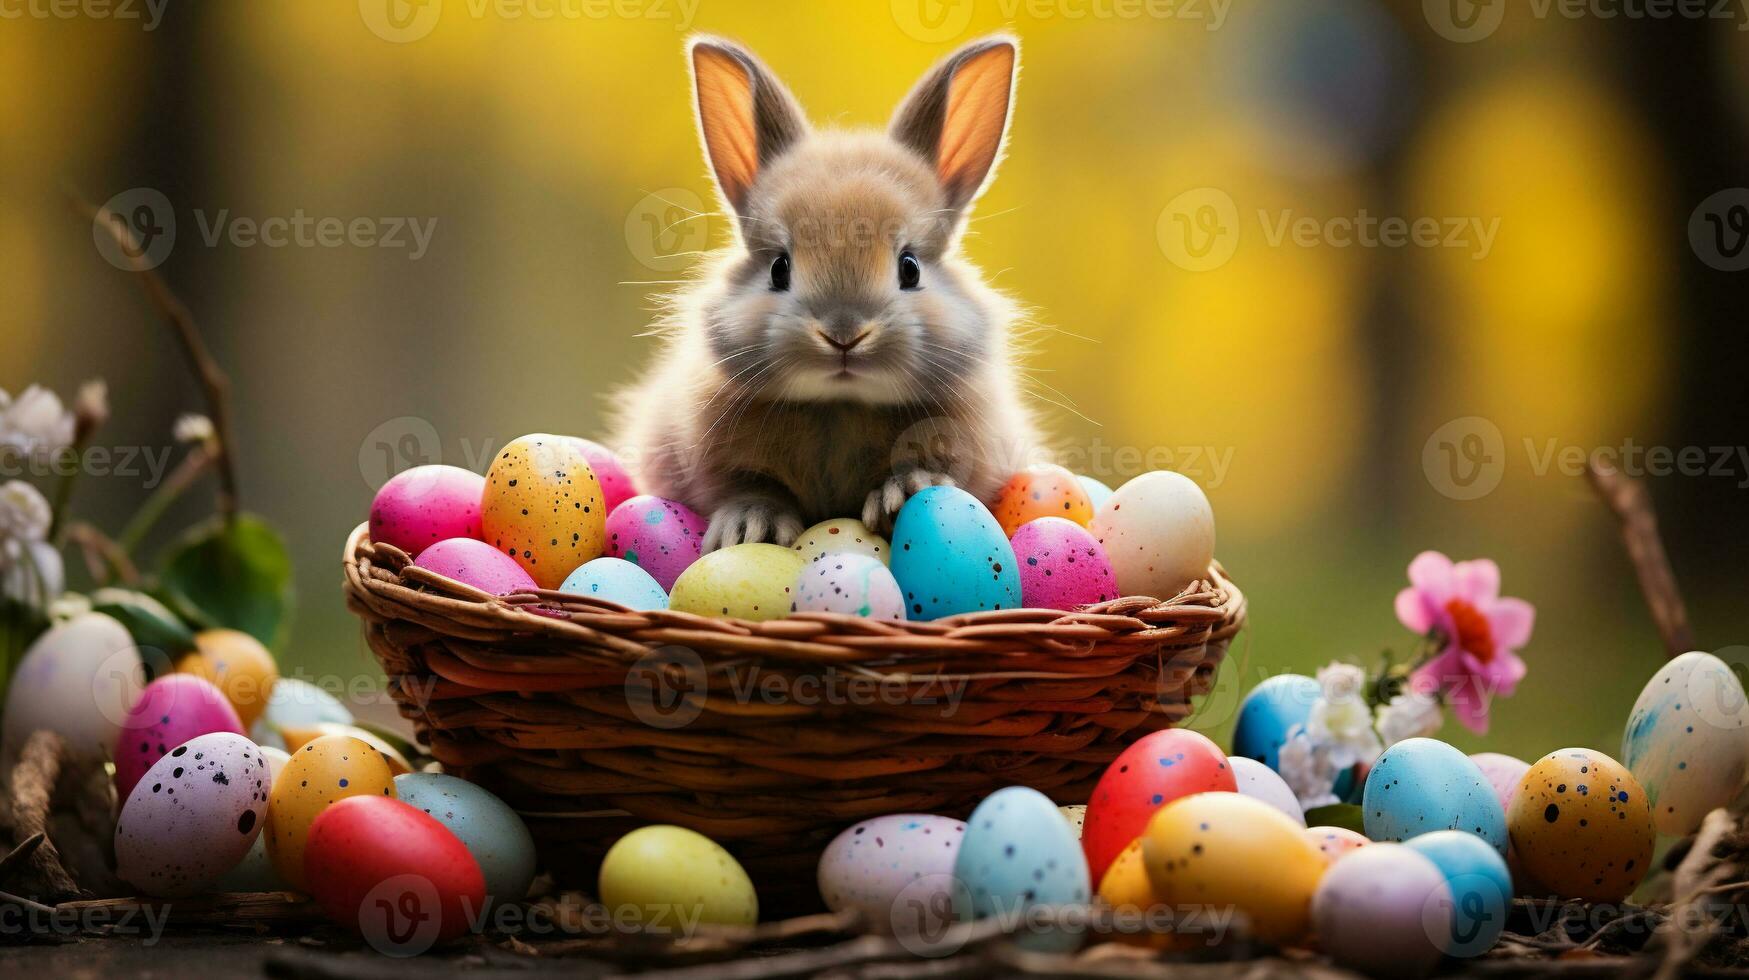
x,y
234,575
20,625
1348,816
161,634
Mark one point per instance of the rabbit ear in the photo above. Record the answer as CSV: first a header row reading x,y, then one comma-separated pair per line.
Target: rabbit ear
x,y
745,115
957,115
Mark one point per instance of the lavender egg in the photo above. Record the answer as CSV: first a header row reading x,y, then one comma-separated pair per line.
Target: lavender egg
x,y
171,710
854,584
1384,910
881,865
427,504
478,564
193,816
662,537
1062,566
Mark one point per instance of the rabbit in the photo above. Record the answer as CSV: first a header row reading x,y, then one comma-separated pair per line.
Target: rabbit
x,y
841,355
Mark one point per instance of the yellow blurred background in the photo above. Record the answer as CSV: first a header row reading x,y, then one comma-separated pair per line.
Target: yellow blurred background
x,y
1303,372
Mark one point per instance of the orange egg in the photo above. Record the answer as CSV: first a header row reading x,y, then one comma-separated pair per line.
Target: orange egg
x,y
237,664
543,507
1133,902
1042,490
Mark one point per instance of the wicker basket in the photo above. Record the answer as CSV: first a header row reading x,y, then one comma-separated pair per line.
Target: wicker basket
x,y
770,737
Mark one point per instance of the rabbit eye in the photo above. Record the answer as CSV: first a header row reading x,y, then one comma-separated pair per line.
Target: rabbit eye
x,y
910,270
780,273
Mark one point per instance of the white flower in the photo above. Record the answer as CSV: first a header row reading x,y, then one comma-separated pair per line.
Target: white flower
x,y
36,422
192,427
30,571
25,514
1308,771
1409,715
1341,722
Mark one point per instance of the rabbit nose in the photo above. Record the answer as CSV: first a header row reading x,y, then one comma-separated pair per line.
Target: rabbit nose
x,y
842,345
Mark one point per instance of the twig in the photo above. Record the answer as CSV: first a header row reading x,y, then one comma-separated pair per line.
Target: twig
x,y
22,902
180,479
1699,872
21,853
1632,505
31,786
97,548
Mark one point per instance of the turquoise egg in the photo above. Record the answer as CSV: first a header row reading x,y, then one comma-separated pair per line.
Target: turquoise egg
x,y
1421,785
1269,716
1481,887
486,826
616,580
950,556
1097,491
1019,852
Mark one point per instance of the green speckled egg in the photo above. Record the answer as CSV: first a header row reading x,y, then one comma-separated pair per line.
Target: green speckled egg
x,y
748,581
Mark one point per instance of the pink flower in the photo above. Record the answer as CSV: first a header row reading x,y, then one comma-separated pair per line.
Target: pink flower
x,y
1459,605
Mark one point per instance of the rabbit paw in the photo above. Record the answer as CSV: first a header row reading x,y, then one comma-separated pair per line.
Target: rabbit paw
x,y
883,502
752,520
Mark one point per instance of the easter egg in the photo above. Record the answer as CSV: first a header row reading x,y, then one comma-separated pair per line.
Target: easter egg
x,y
1097,492
1384,910
421,506
1226,850
255,872
1156,769
1159,532
543,507
1260,782
170,711
666,878
1041,490
368,851
296,703
1480,885
1333,842
1126,889
297,736
330,768
1687,740
1502,772
857,585
1061,566
1076,814
1270,713
951,557
748,581
660,536
616,580
617,485
238,665
1421,785
897,869
78,679
1019,853
496,837
478,564
842,536
1581,827
193,815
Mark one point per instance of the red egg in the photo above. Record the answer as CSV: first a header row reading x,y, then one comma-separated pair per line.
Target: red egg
x,y
392,873
1159,768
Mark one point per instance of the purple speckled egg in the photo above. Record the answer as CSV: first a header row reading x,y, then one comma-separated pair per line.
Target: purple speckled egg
x,y
193,816
427,504
171,710
896,869
660,536
1062,566
478,564
616,484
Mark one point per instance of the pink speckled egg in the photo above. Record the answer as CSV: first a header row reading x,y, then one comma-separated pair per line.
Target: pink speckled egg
x,y
1062,566
660,536
1333,842
171,710
193,816
1503,772
425,505
478,564
616,484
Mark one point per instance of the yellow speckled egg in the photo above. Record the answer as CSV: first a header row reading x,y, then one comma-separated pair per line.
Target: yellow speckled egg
x,y
1230,850
668,878
326,769
1581,827
842,536
237,664
747,581
1134,905
1042,490
297,736
542,506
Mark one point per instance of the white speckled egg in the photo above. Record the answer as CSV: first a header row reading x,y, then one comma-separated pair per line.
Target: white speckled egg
x,y
486,826
255,872
854,584
616,580
1260,782
1019,852
1687,740
1076,814
79,679
842,536
871,865
193,816
1158,532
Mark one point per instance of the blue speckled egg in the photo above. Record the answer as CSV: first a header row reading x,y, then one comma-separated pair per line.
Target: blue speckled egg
x,y
950,556
858,585
1019,852
1481,887
1097,491
1421,785
616,580
1272,713
897,869
1687,741
486,826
